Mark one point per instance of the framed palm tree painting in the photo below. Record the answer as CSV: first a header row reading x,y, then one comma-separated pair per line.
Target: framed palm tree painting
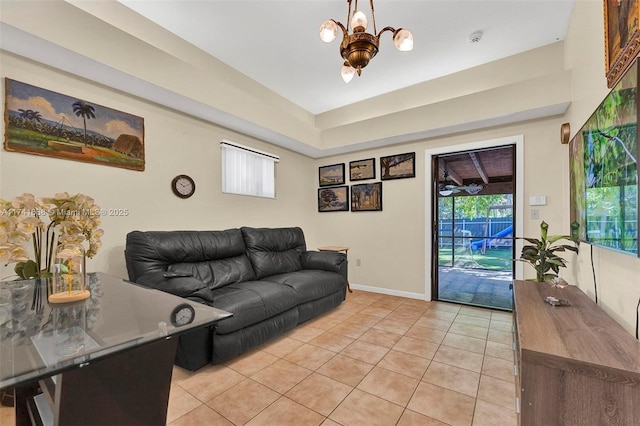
x,y
42,122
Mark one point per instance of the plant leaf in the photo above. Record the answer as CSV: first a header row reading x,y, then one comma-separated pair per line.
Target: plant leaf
x,y
29,270
533,241
544,227
552,239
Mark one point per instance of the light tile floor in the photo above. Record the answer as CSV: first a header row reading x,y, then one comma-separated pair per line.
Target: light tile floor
x,y
375,360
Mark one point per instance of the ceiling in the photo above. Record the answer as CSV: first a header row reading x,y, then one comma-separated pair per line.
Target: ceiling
x,y
276,43
492,168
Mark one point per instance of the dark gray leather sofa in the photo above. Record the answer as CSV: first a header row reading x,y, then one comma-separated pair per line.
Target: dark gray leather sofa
x,y
265,277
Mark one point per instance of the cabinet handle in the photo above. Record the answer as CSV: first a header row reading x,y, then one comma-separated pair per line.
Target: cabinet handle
x,y
517,405
513,346
515,370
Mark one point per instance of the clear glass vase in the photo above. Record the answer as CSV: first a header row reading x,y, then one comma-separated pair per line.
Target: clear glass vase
x,y
69,328
69,278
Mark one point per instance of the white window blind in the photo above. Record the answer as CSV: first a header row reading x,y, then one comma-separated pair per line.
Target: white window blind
x,y
248,171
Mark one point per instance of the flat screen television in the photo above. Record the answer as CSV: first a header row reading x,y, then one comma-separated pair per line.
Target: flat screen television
x,y
604,171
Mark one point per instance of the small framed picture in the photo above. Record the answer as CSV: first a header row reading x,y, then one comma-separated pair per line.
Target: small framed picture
x,y
362,169
335,199
366,197
398,166
331,175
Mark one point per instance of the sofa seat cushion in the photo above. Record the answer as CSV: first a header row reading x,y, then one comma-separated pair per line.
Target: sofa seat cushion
x,y
252,302
311,284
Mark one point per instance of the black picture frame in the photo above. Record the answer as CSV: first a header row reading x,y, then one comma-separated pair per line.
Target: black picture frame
x,y
399,166
366,197
331,175
362,169
334,199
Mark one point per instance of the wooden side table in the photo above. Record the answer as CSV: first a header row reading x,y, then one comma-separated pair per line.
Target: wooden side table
x,y
340,249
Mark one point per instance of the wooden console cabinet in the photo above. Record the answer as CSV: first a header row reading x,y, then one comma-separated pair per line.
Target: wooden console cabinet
x,y
574,364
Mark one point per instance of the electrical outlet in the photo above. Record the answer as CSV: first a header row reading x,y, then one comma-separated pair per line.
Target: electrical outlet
x,y
358,262
535,214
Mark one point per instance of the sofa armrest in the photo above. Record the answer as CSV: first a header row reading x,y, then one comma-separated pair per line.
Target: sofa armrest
x,y
183,286
326,260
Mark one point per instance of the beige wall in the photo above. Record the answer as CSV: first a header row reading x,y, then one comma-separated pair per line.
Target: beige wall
x,y
175,144
391,244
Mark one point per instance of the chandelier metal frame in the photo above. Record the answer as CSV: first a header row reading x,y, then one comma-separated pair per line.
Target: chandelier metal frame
x,y
359,47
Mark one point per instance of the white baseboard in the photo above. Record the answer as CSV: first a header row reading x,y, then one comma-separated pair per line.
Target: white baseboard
x,y
387,291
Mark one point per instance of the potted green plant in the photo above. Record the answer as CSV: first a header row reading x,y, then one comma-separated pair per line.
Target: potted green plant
x,y
542,255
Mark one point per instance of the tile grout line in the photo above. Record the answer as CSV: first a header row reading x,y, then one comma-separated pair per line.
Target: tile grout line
x,y
388,316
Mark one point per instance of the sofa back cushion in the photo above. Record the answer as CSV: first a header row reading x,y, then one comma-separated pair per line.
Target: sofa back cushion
x,y
217,258
274,251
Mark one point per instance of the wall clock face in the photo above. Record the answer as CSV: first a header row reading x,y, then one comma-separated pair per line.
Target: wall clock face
x,y
183,186
182,315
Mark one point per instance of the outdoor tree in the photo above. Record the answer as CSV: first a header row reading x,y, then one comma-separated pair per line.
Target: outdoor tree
x,y
474,207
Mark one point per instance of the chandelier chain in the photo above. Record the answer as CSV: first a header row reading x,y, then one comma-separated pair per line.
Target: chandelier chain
x,y
373,18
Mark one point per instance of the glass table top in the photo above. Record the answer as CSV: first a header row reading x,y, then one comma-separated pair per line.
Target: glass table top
x,y
40,339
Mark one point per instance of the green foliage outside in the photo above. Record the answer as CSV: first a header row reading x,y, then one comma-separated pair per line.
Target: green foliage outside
x,y
473,207
476,207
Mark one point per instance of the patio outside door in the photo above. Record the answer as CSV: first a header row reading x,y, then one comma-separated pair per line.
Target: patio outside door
x,y
473,244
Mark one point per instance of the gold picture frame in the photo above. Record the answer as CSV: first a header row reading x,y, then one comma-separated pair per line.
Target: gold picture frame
x,y
621,37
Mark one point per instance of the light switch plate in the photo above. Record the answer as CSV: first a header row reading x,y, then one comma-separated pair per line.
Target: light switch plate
x,y
538,200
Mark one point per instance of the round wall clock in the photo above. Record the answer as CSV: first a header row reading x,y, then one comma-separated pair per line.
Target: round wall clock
x,y
183,186
182,315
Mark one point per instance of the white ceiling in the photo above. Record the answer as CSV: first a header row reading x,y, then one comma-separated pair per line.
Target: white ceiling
x,y
276,42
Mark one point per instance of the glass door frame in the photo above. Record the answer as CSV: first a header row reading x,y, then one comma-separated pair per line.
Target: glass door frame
x,y
431,188
457,291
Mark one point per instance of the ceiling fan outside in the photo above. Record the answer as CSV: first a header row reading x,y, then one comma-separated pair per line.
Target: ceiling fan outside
x,y
449,188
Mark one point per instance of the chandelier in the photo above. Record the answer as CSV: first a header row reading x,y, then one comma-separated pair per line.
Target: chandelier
x,y
358,47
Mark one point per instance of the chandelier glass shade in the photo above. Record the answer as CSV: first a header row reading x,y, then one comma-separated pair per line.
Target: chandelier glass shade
x,y
358,46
